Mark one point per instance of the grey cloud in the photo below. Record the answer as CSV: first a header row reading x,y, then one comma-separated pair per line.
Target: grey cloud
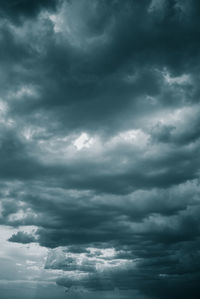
x,y
155,285
165,167
114,220
125,74
22,237
183,133
60,261
63,67
16,10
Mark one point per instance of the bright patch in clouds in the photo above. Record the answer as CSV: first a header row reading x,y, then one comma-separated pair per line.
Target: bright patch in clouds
x,y
83,141
183,79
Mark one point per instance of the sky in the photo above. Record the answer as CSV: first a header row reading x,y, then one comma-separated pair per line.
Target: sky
x,y
99,149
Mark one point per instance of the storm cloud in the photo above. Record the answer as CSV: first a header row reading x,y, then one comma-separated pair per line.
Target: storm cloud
x,y
100,146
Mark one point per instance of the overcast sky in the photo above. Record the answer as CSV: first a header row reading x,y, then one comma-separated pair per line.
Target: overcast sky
x,y
99,149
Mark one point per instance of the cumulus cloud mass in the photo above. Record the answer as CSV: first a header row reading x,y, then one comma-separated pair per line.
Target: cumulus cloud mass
x,y
99,148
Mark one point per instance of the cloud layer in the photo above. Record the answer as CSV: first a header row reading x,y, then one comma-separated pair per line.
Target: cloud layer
x,y
100,143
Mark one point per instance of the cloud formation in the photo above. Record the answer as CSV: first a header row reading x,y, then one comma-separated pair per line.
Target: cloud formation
x,y
100,142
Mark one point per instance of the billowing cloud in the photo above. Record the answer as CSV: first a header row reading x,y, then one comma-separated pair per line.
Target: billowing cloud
x,y
100,145
22,237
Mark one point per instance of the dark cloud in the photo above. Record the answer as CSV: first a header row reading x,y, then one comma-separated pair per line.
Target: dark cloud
x,y
150,282
99,143
22,237
74,76
16,9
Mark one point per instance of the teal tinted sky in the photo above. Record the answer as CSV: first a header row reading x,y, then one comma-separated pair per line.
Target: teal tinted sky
x,y
99,149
